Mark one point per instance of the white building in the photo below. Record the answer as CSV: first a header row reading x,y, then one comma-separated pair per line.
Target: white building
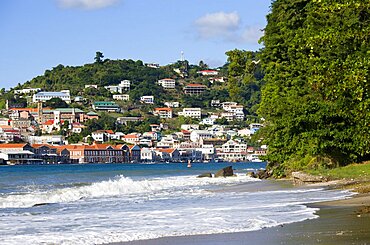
x,y
190,127
198,135
208,72
120,88
27,90
233,151
226,105
121,97
147,99
191,112
147,154
174,104
91,86
167,83
163,112
45,96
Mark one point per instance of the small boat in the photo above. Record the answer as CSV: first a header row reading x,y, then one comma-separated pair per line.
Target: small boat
x,y
189,164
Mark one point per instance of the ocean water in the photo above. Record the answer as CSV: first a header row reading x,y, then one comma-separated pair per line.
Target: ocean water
x,y
96,204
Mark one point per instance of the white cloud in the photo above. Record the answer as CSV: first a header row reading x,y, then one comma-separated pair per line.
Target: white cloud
x,y
219,24
86,4
227,27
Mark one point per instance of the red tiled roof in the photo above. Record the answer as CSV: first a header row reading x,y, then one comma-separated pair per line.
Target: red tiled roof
x,y
49,122
167,150
20,145
163,109
195,85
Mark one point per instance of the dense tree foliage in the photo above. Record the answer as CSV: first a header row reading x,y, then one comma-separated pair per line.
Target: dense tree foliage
x,y
316,98
245,78
109,72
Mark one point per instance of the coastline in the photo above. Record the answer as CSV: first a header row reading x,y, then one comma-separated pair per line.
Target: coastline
x,y
345,221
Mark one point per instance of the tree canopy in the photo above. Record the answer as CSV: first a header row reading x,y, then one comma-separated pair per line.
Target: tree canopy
x,y
316,98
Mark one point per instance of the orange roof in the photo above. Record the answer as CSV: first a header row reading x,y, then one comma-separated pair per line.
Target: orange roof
x,y
185,131
195,85
131,136
49,122
20,145
131,146
167,150
104,131
39,145
24,109
163,109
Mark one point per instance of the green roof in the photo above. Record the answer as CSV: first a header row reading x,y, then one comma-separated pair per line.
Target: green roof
x,y
104,103
69,110
91,113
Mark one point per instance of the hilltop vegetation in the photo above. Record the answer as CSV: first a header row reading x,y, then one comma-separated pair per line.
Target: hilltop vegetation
x,y
144,82
316,99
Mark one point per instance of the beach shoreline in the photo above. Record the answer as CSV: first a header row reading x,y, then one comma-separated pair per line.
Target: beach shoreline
x,y
345,221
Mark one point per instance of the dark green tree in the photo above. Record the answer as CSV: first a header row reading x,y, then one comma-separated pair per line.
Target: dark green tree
x,y
316,98
56,103
98,57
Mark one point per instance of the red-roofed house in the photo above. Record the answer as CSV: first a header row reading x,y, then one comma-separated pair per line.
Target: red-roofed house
x,y
131,138
208,72
194,88
163,112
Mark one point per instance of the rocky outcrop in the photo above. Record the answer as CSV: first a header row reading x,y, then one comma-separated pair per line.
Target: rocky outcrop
x,y
264,174
225,172
299,177
252,174
205,175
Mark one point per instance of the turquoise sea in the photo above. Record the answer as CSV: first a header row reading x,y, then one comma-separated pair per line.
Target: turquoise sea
x,y
104,203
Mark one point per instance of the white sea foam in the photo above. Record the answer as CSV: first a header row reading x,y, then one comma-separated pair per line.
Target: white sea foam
x,y
111,188
124,209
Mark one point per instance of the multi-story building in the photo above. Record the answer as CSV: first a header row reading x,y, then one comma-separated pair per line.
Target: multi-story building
x,y
198,135
174,104
191,112
147,99
120,88
27,90
102,135
194,88
121,97
167,83
233,151
163,112
45,96
106,106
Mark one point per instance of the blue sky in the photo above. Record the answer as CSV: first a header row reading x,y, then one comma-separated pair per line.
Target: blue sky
x,y
40,34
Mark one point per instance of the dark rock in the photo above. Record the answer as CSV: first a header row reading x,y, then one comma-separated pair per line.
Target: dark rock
x,y
225,172
252,174
263,174
205,175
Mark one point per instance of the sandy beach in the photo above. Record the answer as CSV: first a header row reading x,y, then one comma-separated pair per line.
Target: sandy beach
x,y
340,222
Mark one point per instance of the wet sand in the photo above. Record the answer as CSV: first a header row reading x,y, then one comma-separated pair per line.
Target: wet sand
x,y
340,222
